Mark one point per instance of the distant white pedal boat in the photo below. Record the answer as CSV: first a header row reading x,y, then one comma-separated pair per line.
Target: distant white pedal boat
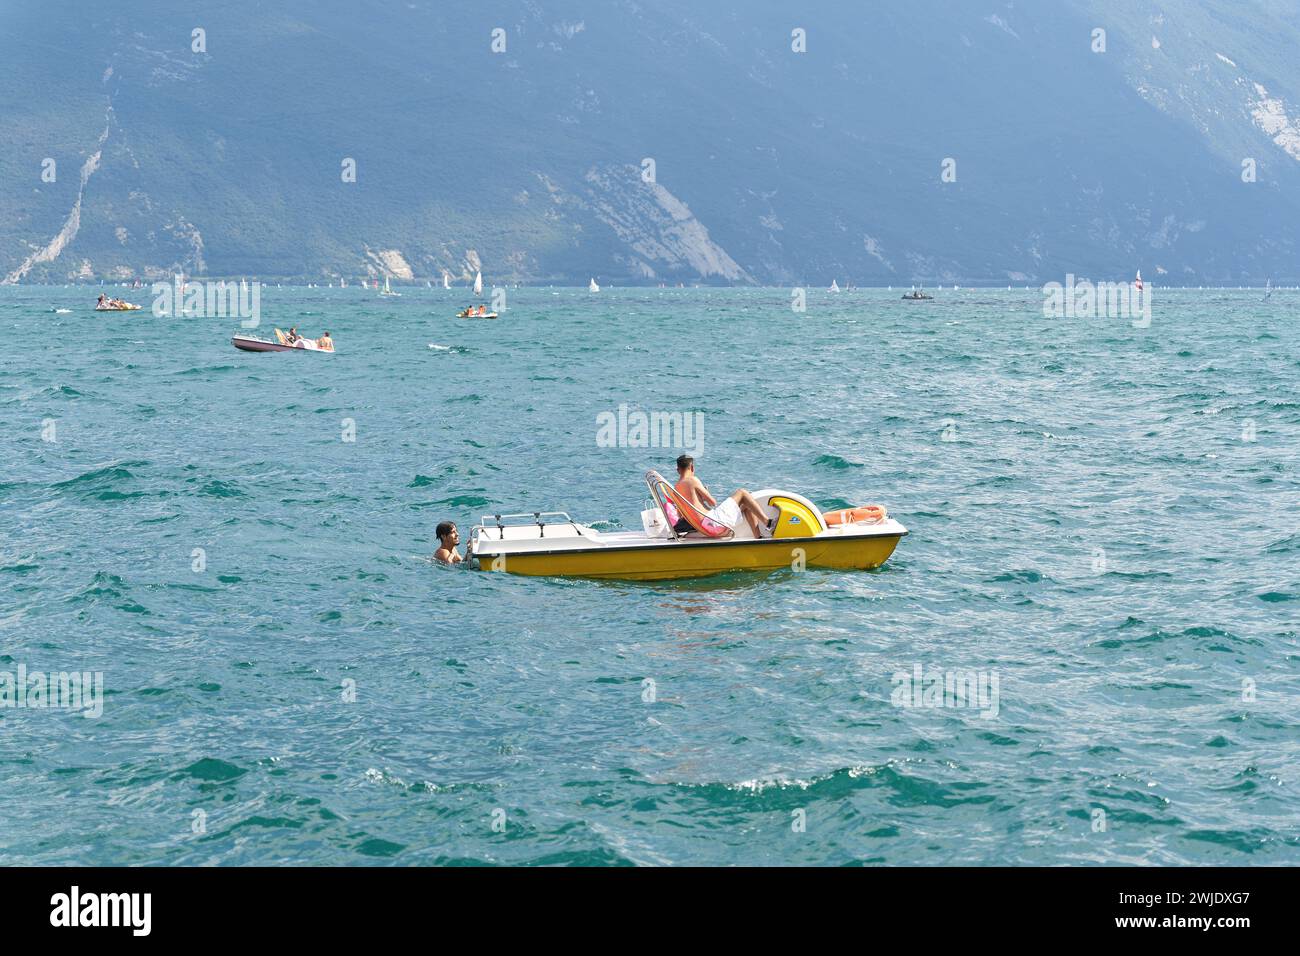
x,y
387,290
592,287
835,286
478,283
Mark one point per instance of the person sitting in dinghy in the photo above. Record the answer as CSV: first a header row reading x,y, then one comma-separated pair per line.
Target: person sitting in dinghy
x,y
740,504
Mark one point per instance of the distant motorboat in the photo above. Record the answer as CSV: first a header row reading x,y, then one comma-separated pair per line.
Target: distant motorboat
x,y
916,295
592,287
248,343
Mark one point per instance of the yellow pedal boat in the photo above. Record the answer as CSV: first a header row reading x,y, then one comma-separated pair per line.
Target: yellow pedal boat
x,y
679,542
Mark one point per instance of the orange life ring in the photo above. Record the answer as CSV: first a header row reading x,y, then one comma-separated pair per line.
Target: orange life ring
x,y
867,514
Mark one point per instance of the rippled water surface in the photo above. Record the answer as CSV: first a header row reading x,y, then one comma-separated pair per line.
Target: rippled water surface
x,y
1105,519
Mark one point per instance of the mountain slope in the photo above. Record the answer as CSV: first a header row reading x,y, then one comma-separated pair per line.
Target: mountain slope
x,y
769,166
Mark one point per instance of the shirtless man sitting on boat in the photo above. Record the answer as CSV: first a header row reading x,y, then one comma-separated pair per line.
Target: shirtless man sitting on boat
x,y
325,343
741,503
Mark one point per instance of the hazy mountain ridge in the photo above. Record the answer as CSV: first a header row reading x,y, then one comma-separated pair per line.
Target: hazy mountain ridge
x,y
769,166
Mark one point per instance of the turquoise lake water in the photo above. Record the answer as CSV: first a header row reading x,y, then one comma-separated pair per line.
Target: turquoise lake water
x,y
1105,519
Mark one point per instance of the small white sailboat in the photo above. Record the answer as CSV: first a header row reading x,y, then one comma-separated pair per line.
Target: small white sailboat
x,y
478,283
446,281
182,286
1268,289
835,286
387,289
592,287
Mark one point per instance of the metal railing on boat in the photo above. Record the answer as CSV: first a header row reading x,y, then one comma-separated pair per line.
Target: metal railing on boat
x,y
536,517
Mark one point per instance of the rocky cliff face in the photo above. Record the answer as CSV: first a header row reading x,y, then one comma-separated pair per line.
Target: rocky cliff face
x,y
933,142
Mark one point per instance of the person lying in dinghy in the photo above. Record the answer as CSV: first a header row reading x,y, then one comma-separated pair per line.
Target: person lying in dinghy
x,y
740,504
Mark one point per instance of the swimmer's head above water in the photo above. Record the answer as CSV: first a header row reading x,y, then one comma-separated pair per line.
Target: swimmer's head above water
x,y
448,539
